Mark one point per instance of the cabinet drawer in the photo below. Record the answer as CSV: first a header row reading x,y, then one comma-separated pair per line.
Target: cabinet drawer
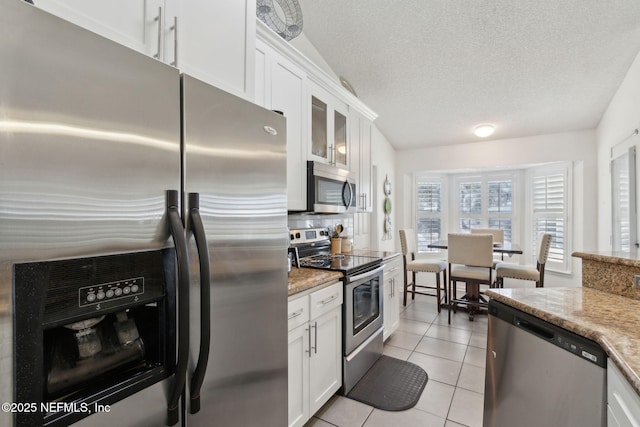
x,y
393,267
326,299
297,312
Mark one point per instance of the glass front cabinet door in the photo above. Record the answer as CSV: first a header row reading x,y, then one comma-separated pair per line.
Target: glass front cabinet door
x,y
329,143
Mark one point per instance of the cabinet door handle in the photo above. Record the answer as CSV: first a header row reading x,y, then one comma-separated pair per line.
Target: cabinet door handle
x,y
160,22
393,269
308,331
315,338
174,28
295,314
328,300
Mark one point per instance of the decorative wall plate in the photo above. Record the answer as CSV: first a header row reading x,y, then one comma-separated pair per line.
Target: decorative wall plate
x,y
387,206
387,186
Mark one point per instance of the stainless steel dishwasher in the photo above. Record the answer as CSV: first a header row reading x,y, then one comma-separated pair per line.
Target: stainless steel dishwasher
x,y
541,375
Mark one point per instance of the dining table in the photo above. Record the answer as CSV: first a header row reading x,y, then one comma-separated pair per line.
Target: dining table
x,y
505,248
472,293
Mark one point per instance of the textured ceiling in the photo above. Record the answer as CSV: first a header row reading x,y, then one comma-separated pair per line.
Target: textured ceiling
x,y
433,69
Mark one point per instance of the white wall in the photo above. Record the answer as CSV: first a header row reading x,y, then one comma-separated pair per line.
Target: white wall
x,y
383,157
578,147
617,124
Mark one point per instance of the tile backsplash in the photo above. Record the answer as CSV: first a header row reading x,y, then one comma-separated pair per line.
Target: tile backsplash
x,y
307,220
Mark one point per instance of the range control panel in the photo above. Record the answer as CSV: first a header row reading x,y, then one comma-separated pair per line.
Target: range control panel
x,y
308,235
96,294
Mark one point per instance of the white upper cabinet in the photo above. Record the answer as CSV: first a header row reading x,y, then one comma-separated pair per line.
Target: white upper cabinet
x,y
360,134
216,42
133,23
212,40
281,86
327,135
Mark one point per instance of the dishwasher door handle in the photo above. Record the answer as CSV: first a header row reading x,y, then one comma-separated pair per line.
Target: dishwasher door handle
x,y
534,329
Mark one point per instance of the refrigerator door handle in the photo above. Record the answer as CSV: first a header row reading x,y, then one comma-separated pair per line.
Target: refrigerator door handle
x,y
195,221
179,240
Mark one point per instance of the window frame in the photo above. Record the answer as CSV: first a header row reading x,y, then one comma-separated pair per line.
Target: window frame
x,y
566,170
484,216
430,179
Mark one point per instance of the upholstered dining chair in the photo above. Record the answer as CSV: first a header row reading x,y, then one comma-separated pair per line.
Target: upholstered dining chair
x,y
498,238
414,266
470,258
498,235
526,272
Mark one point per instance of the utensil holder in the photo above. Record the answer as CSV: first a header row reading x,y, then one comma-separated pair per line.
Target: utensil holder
x,y
336,245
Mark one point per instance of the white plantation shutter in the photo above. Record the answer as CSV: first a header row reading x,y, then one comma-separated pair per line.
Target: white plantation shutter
x,y
470,205
486,201
549,190
500,206
429,200
623,200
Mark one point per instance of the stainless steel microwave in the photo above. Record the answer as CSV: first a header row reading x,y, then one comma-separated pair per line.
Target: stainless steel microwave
x,y
330,189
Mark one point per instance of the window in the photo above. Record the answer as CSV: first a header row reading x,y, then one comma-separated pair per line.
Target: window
x,y
549,201
623,195
486,202
500,206
470,198
429,200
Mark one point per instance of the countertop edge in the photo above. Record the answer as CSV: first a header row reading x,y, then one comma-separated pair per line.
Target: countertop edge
x,y
612,258
310,279
630,375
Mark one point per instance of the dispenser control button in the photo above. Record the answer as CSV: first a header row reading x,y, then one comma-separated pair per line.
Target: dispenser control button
x,y
91,297
118,292
110,293
100,295
126,290
135,288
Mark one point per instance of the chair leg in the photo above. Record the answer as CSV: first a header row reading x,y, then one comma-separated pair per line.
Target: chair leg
x,y
438,290
450,302
413,287
404,289
446,294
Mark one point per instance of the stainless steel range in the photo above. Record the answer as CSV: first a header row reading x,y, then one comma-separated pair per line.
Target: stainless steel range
x,y
362,309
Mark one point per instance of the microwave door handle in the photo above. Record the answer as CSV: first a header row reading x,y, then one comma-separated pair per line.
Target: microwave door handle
x,y
197,227
180,242
347,203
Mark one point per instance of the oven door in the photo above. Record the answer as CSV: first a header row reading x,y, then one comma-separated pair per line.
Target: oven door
x,y
362,308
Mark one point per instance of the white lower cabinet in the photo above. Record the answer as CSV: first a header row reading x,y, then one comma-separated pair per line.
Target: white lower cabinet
x,y
623,403
315,351
393,281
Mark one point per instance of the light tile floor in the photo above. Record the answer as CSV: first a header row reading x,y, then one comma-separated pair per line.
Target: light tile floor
x,y
452,355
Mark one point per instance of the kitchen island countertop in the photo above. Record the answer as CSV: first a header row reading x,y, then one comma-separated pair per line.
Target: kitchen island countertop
x,y
610,320
303,279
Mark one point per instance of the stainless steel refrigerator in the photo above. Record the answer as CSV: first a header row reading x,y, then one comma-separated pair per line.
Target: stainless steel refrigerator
x,y
105,152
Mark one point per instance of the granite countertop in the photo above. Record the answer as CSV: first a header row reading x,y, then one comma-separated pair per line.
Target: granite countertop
x,y
610,320
614,257
302,279
385,255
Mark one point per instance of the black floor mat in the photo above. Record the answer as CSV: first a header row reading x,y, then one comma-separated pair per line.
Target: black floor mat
x,y
391,385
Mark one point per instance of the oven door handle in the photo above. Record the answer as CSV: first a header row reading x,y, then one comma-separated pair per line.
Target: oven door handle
x,y
365,275
180,242
197,227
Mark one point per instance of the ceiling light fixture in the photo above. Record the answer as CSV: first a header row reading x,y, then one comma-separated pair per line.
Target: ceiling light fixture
x,y
483,131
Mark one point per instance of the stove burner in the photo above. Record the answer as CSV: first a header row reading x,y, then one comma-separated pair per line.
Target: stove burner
x,y
323,260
